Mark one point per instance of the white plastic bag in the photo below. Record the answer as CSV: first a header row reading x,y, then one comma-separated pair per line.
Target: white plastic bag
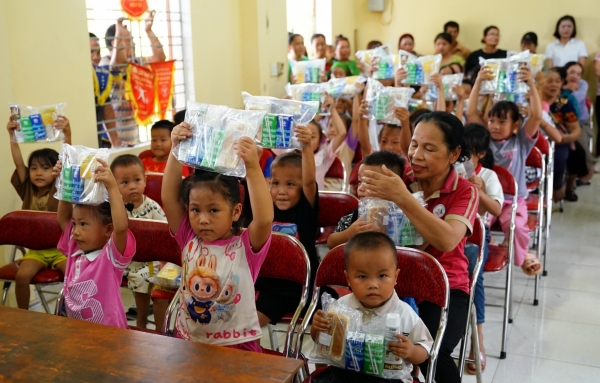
x,y
306,92
37,123
384,99
388,218
169,276
420,69
344,87
513,68
368,56
449,81
497,68
76,181
536,62
308,71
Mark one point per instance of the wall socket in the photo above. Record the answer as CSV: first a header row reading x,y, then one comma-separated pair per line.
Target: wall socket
x,y
277,69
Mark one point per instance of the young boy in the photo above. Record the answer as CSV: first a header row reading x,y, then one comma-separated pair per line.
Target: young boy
x,y
160,145
372,271
131,180
296,203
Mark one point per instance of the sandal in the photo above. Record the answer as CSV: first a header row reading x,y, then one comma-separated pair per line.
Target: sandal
x,y
471,368
529,264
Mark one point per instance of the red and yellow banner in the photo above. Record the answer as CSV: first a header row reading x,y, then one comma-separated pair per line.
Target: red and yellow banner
x,y
134,8
164,77
140,91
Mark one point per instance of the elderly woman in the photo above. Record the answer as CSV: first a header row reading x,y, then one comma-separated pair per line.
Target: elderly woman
x,y
445,222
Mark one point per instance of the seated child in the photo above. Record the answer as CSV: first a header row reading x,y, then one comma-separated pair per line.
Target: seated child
x,y
390,137
160,145
220,262
129,173
372,270
35,185
98,246
324,153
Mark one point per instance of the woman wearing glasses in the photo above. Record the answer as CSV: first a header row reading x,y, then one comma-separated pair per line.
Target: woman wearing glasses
x,y
491,38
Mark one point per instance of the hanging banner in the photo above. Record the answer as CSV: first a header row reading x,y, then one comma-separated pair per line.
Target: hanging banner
x,y
134,8
140,91
164,76
103,79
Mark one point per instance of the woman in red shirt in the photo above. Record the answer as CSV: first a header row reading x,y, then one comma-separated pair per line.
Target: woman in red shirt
x,y
445,222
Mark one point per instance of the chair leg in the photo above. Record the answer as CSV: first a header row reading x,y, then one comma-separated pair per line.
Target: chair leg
x,y
59,303
43,299
475,342
5,292
507,307
273,337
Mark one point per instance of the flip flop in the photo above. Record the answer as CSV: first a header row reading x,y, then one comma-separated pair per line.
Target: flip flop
x,y
472,369
531,261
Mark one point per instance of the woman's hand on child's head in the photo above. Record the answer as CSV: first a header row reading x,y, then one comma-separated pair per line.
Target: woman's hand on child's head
x,y
477,182
180,133
436,79
385,185
246,149
62,123
320,322
57,169
402,114
525,75
303,135
104,175
400,75
403,348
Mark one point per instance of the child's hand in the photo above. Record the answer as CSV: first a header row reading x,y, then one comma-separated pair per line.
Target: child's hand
x,y
57,169
484,74
374,67
402,114
525,75
363,109
477,182
246,149
320,322
361,87
360,226
12,126
323,77
180,133
436,79
328,101
360,65
403,348
400,75
303,135
104,175
459,91
62,123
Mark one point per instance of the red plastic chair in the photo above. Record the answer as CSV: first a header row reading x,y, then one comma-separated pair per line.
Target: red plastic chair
x,y
35,230
499,257
153,186
421,277
338,171
264,157
332,207
547,149
353,179
358,157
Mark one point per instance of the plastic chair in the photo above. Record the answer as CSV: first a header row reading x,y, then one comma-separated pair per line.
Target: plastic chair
x,y
421,277
500,258
353,180
153,186
547,149
332,207
338,171
35,230
153,243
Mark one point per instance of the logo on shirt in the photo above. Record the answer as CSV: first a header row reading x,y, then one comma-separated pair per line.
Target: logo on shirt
x,y
439,210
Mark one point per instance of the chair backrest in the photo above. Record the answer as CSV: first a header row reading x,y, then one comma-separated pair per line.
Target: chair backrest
x,y
357,154
36,230
337,170
535,159
145,154
264,158
286,259
153,186
154,241
507,181
353,179
333,206
542,144
478,235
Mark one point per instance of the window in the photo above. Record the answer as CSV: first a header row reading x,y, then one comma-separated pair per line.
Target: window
x,y
167,28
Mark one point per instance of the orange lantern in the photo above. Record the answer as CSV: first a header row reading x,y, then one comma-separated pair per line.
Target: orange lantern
x,y
134,8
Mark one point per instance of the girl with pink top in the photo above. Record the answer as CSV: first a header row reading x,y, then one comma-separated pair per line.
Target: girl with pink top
x,y
220,262
98,246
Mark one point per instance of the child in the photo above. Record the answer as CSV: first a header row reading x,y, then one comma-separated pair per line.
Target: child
x,y
294,197
220,263
372,270
99,246
160,145
129,174
390,135
35,185
325,153
350,225
491,199
512,140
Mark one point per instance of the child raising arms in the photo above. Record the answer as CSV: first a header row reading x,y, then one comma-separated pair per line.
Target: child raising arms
x,y
220,263
99,246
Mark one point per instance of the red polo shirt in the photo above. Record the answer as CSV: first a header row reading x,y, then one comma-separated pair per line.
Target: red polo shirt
x,y
456,200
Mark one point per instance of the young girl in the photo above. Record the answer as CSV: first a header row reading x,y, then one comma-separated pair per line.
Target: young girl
x,y
35,185
443,44
295,52
220,263
99,246
512,141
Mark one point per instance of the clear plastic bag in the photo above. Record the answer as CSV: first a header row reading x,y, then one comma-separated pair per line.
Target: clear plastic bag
x,y
515,63
384,99
420,69
308,71
169,276
368,56
497,68
386,65
36,123
449,81
76,181
282,117
375,211
344,87
388,218
536,62
306,92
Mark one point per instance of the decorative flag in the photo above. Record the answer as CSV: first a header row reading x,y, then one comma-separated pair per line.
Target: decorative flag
x,y
103,79
164,76
134,8
140,91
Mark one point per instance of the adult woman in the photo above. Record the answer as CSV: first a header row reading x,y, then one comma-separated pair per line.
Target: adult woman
x,y
319,49
342,54
295,51
566,47
446,221
579,88
443,45
491,38
564,114
406,42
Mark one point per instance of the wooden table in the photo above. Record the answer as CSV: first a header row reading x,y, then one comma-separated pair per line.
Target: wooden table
x,y
36,347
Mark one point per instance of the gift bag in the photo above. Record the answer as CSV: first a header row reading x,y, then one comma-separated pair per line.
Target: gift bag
x,y
513,68
449,81
308,71
383,100
497,68
306,92
369,56
36,123
420,69
344,87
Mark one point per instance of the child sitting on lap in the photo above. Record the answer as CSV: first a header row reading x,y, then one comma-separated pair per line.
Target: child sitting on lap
x,y
372,270
160,145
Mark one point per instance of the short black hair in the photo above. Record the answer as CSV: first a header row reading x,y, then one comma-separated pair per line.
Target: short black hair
x,y
451,24
179,117
530,37
559,71
374,44
505,109
316,36
339,38
391,160
453,131
477,139
388,126
125,160
163,124
93,36
462,69
570,64
47,156
288,159
109,36
444,36
291,37
370,240
487,29
415,115
101,212
565,18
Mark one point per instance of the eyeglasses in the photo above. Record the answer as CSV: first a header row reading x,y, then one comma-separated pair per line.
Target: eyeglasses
x,y
493,35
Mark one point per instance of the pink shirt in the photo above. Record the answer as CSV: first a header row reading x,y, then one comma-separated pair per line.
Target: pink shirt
x,y
93,280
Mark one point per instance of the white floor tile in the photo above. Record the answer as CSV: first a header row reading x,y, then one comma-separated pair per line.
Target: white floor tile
x,y
524,369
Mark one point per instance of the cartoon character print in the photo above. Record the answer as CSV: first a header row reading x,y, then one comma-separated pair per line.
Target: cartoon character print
x,y
224,306
286,228
203,284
